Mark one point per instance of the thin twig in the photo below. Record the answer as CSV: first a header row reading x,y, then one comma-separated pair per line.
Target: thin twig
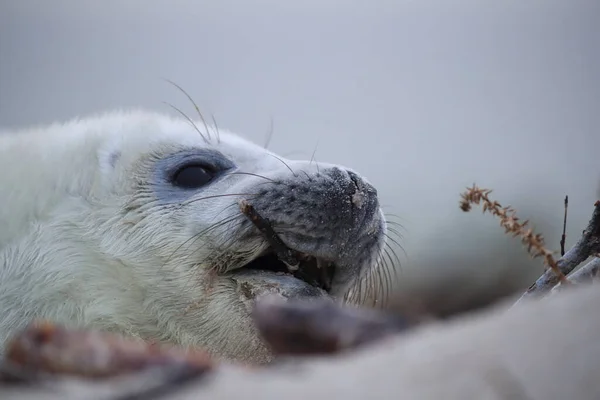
x,y
291,257
563,239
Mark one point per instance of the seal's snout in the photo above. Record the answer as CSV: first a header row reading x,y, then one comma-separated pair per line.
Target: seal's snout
x,y
332,214
328,213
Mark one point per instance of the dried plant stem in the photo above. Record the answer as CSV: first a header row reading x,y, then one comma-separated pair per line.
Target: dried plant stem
x,y
510,222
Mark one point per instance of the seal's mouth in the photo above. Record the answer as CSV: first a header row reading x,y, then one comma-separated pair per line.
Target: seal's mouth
x,y
281,260
295,272
309,269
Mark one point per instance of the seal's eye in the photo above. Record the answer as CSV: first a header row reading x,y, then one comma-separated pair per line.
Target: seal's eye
x,y
193,176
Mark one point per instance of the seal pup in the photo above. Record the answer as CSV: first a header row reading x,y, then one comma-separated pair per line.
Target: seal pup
x,y
130,222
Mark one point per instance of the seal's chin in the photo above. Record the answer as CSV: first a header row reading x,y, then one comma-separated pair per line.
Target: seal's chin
x,y
267,274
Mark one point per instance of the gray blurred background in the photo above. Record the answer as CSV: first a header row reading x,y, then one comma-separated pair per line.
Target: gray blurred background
x,y
422,97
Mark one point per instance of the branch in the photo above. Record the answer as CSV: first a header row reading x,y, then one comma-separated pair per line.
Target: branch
x,y
588,245
588,273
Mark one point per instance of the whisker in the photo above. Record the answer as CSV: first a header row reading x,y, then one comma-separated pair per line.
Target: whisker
x,y
217,133
225,247
314,152
219,195
252,174
225,208
384,284
194,252
397,265
305,173
269,133
392,239
387,214
288,167
373,286
189,120
372,290
199,234
387,268
364,288
222,223
193,103
397,225
353,294
316,162
247,253
388,236
389,217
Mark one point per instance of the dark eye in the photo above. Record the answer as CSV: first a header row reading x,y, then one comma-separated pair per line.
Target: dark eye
x,y
193,176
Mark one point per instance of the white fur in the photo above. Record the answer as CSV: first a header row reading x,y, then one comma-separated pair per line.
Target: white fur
x,y
71,253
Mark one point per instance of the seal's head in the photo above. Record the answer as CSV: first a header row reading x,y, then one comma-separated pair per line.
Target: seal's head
x,y
140,228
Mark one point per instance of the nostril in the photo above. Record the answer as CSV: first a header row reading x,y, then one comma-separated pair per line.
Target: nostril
x,y
345,182
356,180
360,184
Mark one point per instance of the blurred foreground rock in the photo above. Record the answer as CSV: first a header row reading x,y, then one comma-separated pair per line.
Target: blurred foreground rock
x,y
541,349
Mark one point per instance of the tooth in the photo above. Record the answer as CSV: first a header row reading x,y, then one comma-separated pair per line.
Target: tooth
x,y
292,268
320,263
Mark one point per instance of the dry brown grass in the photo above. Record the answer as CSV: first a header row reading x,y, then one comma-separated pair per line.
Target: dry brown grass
x,y
534,242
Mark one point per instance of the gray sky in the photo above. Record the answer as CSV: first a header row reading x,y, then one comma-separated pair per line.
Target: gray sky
x,y
422,97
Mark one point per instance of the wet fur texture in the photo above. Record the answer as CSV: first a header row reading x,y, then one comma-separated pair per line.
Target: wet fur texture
x,y
93,233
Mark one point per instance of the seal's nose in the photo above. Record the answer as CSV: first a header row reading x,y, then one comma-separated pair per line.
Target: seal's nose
x,y
356,202
361,184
